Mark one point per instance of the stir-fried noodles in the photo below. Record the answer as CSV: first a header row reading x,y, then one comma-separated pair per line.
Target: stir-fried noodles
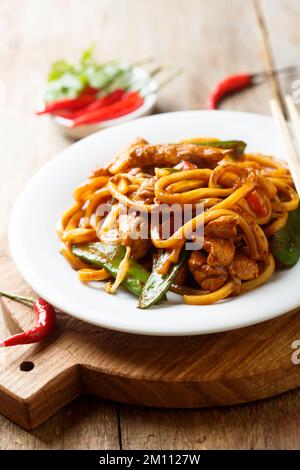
x,y
245,199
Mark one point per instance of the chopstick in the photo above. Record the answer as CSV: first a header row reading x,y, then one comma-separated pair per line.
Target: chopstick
x,y
295,117
289,148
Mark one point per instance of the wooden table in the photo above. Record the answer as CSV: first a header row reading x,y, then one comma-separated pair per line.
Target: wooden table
x,y
209,39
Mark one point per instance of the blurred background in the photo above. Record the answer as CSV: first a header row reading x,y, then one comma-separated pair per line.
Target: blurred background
x,y
207,39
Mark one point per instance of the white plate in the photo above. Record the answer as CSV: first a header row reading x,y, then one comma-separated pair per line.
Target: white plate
x,y
35,246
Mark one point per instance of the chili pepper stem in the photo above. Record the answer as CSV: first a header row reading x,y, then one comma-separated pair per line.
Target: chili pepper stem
x,y
145,82
169,79
162,84
123,72
141,62
287,71
18,298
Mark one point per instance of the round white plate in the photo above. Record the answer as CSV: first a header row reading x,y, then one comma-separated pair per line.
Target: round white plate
x,y
35,247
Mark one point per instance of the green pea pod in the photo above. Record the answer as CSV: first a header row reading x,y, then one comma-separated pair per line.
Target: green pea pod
x,y
237,146
158,284
285,243
110,257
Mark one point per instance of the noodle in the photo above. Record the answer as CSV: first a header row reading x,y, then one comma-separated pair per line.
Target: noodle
x,y
79,235
88,275
213,297
244,202
276,225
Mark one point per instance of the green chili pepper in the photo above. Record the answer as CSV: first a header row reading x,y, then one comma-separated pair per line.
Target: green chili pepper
x,y
110,257
285,243
158,284
238,146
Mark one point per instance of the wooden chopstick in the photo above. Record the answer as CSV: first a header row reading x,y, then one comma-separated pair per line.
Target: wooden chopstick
x,y
295,117
290,151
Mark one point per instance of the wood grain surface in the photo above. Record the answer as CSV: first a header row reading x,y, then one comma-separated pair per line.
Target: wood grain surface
x,y
226,368
208,39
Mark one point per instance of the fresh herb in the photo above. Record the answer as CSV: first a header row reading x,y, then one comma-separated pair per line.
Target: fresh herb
x,y
66,80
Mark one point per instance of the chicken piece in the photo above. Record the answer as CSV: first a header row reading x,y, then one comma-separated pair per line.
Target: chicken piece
x,y
145,192
181,276
224,227
208,277
216,278
196,261
221,252
184,165
133,230
169,155
243,267
120,162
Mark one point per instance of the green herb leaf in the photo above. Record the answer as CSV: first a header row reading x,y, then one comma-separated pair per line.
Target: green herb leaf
x,y
67,80
87,55
59,68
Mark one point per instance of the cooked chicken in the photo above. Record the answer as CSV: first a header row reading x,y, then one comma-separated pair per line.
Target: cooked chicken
x,y
184,165
221,252
216,278
243,267
145,192
181,276
170,155
121,160
133,231
223,227
208,277
196,261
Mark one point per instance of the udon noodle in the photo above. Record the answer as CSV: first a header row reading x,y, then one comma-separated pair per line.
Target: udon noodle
x,y
246,199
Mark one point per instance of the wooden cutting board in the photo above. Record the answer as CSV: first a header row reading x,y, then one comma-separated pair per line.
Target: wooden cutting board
x,y
180,372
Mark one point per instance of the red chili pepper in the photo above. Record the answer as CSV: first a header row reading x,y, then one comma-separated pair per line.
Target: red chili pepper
x,y
74,103
235,83
129,103
256,203
106,100
45,321
228,86
90,90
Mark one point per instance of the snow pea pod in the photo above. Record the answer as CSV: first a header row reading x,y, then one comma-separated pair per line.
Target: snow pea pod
x,y
110,257
285,243
158,284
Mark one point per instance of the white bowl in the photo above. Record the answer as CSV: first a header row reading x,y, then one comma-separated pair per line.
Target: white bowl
x,y
138,74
